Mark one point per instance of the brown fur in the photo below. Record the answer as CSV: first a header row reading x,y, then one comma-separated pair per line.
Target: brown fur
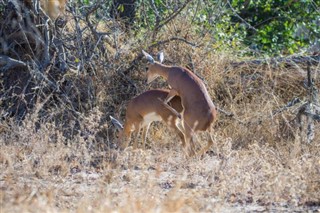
x,y
145,103
53,8
199,111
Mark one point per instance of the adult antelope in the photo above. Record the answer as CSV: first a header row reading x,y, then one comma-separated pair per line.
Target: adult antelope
x,y
145,109
53,8
199,112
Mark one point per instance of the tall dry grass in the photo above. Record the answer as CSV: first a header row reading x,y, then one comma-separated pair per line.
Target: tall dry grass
x,y
259,164
40,175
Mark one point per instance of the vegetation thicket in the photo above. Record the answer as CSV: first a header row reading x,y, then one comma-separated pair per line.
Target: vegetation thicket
x,y
61,79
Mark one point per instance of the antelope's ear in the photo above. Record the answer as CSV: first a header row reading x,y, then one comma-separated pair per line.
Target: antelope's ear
x,y
148,57
116,123
160,57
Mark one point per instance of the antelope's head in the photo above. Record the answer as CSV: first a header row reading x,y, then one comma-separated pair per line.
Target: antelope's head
x,y
120,131
153,66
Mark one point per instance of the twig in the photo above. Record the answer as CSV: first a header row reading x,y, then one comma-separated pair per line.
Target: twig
x,y
196,11
239,17
231,115
47,41
309,109
7,63
97,35
58,43
173,15
153,6
313,116
168,19
79,40
88,13
173,39
288,105
228,114
129,80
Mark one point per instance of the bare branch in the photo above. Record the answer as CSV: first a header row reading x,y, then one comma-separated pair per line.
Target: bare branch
x,y
7,63
239,17
173,15
169,18
312,116
79,39
153,5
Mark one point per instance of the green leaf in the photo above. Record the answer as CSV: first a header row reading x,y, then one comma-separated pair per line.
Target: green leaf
x,y
121,8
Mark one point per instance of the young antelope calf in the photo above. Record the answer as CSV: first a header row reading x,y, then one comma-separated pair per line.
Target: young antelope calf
x,y
145,109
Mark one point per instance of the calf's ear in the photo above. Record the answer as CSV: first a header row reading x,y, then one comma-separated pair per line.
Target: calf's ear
x,y
160,57
116,123
148,57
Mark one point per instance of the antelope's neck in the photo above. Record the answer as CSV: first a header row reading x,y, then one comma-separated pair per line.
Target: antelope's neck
x,y
163,70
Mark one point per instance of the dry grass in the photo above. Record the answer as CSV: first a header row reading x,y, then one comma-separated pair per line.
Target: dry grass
x,y
43,176
261,165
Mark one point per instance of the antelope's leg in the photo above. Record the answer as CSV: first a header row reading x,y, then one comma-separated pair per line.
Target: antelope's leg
x,y
136,136
209,144
144,135
171,94
126,136
188,136
181,136
179,129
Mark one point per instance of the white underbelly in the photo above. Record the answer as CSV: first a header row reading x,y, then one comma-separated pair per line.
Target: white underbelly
x,y
151,117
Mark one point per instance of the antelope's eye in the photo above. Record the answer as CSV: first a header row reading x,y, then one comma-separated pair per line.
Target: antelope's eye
x,y
147,68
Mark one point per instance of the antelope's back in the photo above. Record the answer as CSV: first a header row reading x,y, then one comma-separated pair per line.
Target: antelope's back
x,y
152,101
